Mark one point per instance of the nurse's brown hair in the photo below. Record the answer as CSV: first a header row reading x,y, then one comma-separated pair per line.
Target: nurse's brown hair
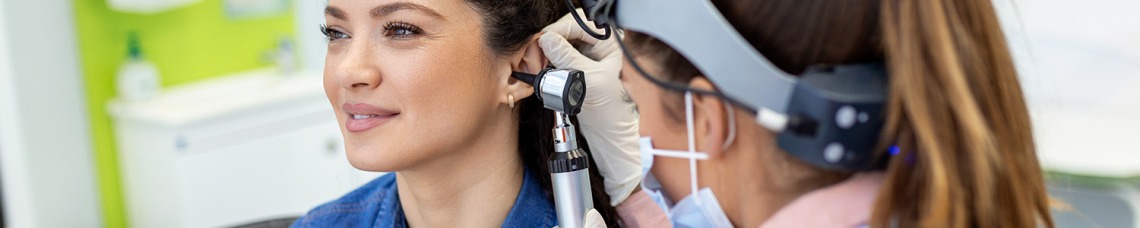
x,y
955,108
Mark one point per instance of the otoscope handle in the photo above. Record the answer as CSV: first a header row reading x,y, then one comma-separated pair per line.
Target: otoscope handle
x,y
570,175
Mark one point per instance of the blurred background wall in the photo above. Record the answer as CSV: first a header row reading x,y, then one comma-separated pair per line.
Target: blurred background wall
x,y
1079,63
45,141
187,44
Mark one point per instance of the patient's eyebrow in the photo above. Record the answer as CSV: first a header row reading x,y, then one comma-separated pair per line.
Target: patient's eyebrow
x,y
335,12
384,10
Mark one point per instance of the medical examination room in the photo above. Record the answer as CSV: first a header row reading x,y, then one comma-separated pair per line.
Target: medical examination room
x,y
569,113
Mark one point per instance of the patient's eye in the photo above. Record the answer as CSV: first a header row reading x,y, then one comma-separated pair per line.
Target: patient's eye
x,y
401,30
332,34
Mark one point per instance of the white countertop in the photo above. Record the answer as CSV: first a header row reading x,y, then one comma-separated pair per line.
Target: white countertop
x,y
207,99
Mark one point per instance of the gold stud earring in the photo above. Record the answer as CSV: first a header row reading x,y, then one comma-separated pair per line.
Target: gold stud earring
x,y
511,97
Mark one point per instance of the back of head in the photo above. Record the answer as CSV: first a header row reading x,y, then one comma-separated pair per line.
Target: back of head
x,y
955,109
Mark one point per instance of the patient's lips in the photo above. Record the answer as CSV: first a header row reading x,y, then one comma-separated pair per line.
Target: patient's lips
x,y
362,117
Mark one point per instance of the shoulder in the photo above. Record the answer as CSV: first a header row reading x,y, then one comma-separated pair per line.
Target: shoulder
x,y
362,207
533,207
845,204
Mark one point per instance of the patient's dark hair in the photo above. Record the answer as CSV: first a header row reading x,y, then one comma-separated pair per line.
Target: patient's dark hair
x,y
509,25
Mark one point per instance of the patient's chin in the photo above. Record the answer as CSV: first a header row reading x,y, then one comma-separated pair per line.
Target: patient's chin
x,y
377,159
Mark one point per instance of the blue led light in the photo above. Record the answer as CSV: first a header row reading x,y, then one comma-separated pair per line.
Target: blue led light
x,y
894,150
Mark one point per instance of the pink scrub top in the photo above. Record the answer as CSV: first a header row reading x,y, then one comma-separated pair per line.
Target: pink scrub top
x,y
846,204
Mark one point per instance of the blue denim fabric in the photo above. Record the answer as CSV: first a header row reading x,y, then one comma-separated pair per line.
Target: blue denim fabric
x,y
377,204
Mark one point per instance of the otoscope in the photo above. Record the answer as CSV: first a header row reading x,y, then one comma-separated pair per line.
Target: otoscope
x,y
563,90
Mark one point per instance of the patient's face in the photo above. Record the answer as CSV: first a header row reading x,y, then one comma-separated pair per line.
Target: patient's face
x,y
409,80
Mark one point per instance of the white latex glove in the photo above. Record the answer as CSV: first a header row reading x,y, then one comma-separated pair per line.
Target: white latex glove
x,y
593,218
607,120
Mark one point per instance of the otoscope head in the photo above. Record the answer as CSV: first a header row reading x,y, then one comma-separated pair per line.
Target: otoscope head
x,y
561,90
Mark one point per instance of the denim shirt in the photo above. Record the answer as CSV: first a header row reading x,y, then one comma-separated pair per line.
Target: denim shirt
x,y
377,204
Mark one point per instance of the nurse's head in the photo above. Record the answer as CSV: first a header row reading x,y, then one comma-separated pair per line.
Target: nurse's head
x,y
425,85
955,108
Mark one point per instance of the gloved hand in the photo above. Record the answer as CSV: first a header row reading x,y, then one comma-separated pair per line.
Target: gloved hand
x,y
608,121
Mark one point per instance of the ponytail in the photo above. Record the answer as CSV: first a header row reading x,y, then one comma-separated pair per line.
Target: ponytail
x,y
956,109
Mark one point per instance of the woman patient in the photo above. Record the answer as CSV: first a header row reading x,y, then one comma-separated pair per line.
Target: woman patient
x,y
422,89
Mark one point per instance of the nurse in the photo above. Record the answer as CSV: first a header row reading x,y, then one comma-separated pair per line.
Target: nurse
x,y
803,113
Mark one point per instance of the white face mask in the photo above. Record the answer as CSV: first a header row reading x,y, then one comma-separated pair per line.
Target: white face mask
x,y
700,208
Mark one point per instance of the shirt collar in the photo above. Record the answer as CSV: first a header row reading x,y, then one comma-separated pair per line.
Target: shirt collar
x,y
532,208
845,204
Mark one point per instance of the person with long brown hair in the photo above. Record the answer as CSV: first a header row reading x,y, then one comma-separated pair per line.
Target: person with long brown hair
x,y
955,141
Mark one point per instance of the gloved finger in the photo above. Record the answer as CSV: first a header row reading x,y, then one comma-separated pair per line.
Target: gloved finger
x,y
561,52
568,28
593,219
605,49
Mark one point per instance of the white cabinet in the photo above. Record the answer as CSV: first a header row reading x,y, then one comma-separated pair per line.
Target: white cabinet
x,y
230,151
147,6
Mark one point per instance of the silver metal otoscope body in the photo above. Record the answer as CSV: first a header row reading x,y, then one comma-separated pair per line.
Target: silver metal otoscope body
x,y
570,175
563,91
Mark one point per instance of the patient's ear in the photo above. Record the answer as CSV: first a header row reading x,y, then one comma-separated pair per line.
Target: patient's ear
x,y
531,60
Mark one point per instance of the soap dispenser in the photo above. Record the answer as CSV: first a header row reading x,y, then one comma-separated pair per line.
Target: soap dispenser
x,y
137,79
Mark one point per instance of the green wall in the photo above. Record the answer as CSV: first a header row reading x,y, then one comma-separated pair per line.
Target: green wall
x,y
187,44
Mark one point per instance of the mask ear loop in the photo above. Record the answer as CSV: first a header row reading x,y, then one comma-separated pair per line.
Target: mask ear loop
x,y
692,146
